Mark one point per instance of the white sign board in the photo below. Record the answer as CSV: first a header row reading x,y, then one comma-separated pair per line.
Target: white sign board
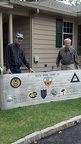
x,y
25,89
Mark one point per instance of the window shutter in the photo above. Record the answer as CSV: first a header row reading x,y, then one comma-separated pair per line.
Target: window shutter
x,y
59,24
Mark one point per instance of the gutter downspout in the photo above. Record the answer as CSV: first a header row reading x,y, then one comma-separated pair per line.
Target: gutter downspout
x,y
37,12
31,34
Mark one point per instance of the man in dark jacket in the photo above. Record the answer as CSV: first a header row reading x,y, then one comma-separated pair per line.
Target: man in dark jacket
x,y
15,56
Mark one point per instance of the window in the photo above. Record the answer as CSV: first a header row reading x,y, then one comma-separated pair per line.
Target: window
x,y
67,30
63,30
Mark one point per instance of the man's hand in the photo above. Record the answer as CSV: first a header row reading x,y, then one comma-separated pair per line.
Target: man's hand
x,y
9,71
31,70
77,67
59,68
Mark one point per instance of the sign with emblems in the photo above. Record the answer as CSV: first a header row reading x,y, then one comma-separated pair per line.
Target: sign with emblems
x,y
25,89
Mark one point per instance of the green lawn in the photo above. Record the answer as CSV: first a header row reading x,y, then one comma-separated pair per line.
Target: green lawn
x,y
19,122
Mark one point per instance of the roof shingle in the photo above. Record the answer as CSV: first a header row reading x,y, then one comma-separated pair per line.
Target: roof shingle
x,y
53,4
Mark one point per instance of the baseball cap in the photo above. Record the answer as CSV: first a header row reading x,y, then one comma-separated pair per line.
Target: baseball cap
x,y
19,35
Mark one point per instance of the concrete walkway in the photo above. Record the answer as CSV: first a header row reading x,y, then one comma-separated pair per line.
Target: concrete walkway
x,y
66,132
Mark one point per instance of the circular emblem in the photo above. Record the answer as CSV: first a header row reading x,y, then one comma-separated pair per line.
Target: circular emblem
x,y
15,82
54,92
33,94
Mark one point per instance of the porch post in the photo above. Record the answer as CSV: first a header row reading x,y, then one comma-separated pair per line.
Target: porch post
x,y
10,28
31,57
1,41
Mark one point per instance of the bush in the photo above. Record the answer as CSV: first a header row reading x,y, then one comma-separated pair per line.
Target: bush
x,y
4,72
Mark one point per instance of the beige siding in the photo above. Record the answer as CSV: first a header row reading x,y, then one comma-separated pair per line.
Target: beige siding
x,y
44,31
77,22
22,25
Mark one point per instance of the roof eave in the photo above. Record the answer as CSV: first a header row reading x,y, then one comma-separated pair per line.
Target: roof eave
x,y
42,8
78,14
5,5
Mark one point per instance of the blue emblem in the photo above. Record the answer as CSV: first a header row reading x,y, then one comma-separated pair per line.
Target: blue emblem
x,y
43,93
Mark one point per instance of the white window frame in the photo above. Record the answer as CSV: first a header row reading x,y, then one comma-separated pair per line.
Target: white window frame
x,y
66,32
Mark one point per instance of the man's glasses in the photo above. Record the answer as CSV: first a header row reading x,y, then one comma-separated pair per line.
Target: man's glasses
x,y
20,38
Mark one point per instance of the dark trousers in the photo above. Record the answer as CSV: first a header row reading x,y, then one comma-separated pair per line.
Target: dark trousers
x,y
15,70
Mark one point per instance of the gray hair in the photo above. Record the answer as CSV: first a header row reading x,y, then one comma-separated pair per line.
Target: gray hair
x,y
67,39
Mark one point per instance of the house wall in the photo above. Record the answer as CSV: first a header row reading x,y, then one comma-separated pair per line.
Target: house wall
x,y
78,22
44,41
22,25
43,44
43,37
76,38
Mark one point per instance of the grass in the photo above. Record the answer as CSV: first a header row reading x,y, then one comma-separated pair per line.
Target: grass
x,y
19,122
